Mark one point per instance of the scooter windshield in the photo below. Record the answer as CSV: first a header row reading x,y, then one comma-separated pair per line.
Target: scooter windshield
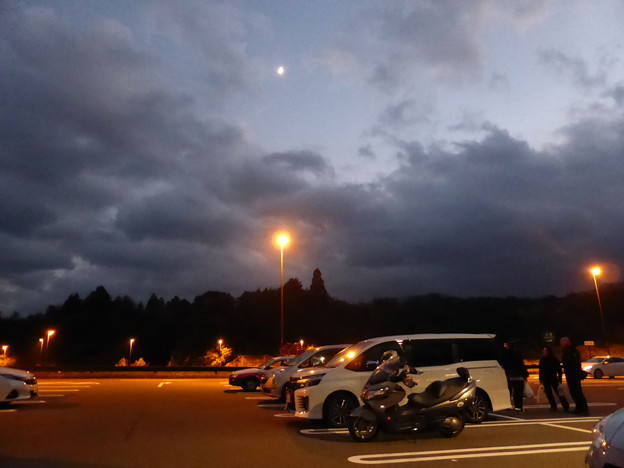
x,y
387,370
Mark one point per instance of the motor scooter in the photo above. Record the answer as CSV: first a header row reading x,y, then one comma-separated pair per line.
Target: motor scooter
x,y
441,406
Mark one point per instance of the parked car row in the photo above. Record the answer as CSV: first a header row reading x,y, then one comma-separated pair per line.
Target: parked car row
x,y
16,384
326,382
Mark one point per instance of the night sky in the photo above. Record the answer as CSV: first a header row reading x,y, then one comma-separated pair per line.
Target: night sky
x,y
409,147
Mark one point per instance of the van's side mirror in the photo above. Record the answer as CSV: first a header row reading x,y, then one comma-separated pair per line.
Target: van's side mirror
x,y
371,365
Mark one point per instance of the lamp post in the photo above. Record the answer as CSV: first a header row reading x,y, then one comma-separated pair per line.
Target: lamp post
x,y
282,240
50,333
132,340
40,349
597,271
4,350
220,344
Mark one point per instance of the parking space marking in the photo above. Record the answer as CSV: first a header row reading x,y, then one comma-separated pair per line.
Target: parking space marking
x,y
554,422
284,415
258,398
481,452
161,384
28,402
8,410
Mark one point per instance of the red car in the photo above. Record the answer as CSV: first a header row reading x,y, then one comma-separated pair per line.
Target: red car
x,y
249,379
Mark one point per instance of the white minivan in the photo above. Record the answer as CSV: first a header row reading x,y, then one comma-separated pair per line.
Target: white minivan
x,y
332,391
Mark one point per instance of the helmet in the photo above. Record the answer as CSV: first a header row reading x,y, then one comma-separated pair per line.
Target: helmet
x,y
390,355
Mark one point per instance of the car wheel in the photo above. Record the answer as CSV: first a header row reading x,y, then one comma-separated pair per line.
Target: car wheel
x,y
337,409
250,384
598,374
476,412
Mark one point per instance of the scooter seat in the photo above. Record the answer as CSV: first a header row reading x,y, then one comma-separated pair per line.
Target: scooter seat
x,y
437,392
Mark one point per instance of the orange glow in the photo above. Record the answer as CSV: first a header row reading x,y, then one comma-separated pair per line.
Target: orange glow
x,y
51,332
596,271
132,340
282,239
4,349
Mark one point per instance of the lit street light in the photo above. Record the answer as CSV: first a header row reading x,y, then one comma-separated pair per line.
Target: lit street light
x,y
4,349
50,333
220,345
282,240
597,271
40,349
132,340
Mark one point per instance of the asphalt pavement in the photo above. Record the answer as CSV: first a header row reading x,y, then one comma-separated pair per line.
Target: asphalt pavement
x,y
106,423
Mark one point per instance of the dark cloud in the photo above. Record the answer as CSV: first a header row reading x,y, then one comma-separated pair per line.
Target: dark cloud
x,y
110,174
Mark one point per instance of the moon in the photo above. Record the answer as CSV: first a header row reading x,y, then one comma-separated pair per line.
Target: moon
x,y
281,70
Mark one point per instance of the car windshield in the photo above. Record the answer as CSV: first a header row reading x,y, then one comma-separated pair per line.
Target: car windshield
x,y
347,354
596,359
302,357
269,363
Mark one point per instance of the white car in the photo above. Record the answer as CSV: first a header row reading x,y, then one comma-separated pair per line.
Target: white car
x,y
332,391
273,381
607,449
17,384
604,366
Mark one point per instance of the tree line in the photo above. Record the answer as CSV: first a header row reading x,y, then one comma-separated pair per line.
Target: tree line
x,y
95,330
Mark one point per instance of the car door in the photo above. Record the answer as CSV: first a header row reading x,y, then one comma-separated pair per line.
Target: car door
x,y
617,366
433,357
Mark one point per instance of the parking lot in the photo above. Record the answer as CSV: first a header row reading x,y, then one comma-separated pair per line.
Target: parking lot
x,y
102,423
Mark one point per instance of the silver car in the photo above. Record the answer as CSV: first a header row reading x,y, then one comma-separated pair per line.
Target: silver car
x,y
607,449
604,366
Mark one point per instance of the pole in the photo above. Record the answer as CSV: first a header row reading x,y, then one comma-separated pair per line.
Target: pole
x,y
604,328
281,294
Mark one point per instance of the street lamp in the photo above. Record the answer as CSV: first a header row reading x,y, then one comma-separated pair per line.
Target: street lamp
x,y
4,349
220,343
282,240
597,271
50,333
40,349
132,340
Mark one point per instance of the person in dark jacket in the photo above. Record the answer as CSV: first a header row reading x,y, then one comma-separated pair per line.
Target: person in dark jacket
x,y
571,360
550,376
517,374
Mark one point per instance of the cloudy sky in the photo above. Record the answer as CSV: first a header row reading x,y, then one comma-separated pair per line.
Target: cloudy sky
x,y
467,148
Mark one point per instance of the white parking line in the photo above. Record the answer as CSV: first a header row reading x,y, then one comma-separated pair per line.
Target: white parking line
x,y
161,384
70,383
28,402
284,415
259,398
8,410
54,389
494,451
554,422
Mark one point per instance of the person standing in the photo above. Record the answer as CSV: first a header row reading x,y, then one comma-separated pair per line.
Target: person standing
x,y
516,374
550,376
571,360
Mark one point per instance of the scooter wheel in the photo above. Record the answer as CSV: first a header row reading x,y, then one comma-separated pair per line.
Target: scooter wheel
x,y
363,430
452,426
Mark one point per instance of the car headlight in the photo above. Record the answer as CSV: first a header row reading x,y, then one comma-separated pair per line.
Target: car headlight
x,y
310,381
598,433
588,368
